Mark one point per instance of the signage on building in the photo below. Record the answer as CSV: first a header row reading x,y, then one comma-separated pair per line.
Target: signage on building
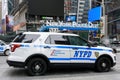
x,y
72,24
71,18
47,18
53,30
95,14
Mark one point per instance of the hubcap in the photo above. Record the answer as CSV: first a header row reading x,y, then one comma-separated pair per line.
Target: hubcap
x,y
37,67
104,65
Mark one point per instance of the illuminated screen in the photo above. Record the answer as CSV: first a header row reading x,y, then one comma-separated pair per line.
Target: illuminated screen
x,y
71,18
94,14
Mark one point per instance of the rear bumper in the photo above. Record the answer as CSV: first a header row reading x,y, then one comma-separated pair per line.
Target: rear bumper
x,y
16,64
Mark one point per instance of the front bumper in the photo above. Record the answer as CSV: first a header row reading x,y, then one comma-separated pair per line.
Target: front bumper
x,y
113,64
16,64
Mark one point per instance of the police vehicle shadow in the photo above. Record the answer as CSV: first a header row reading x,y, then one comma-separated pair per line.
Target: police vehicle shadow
x,y
1,54
69,70
16,72
55,71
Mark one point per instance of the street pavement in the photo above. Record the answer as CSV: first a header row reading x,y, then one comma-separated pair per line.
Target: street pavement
x,y
10,73
118,49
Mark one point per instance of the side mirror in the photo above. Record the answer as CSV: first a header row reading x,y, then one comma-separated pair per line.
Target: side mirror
x,y
95,44
89,45
92,44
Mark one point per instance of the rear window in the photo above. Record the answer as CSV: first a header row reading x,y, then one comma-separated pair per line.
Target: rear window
x,y
26,38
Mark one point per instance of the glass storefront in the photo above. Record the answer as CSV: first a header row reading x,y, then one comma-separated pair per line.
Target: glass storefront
x,y
113,11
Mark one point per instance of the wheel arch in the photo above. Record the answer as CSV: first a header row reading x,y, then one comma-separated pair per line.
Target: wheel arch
x,y
37,55
105,55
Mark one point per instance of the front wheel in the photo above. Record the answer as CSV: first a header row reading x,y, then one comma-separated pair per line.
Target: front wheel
x,y
103,64
36,66
7,52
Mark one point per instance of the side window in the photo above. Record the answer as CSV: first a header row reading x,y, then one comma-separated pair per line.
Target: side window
x,y
48,40
26,38
76,40
57,39
29,38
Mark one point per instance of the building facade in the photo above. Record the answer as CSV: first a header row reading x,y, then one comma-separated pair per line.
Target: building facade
x,y
4,8
70,7
79,8
22,10
4,13
0,9
113,11
70,10
82,12
19,9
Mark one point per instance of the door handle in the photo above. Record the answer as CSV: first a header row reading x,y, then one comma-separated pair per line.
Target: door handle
x,y
75,48
47,47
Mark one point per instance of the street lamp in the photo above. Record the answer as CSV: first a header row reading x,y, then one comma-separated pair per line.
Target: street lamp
x,y
104,18
104,29
105,25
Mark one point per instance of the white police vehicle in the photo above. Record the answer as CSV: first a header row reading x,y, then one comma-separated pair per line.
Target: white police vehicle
x,y
4,48
38,51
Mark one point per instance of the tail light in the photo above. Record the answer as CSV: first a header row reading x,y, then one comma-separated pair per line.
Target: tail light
x,y
14,46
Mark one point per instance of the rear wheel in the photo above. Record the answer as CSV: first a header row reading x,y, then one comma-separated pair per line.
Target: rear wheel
x,y
36,66
103,64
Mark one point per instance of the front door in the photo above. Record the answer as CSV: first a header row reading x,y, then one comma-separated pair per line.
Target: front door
x,y
80,51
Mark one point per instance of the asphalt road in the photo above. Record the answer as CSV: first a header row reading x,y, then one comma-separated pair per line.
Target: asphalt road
x,y
10,73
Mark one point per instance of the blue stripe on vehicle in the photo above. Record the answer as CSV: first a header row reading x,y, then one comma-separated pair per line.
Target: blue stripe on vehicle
x,y
92,59
24,45
82,48
59,58
68,47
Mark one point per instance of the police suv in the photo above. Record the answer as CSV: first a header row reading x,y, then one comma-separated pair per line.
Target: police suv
x,y
38,51
4,48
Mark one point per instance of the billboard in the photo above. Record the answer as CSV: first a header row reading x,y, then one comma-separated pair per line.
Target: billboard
x,y
94,14
71,18
46,7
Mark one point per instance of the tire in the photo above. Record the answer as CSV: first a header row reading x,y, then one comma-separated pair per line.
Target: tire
x,y
6,52
103,64
36,66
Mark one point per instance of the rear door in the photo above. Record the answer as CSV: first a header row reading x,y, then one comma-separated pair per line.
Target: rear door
x,y
26,42
57,49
